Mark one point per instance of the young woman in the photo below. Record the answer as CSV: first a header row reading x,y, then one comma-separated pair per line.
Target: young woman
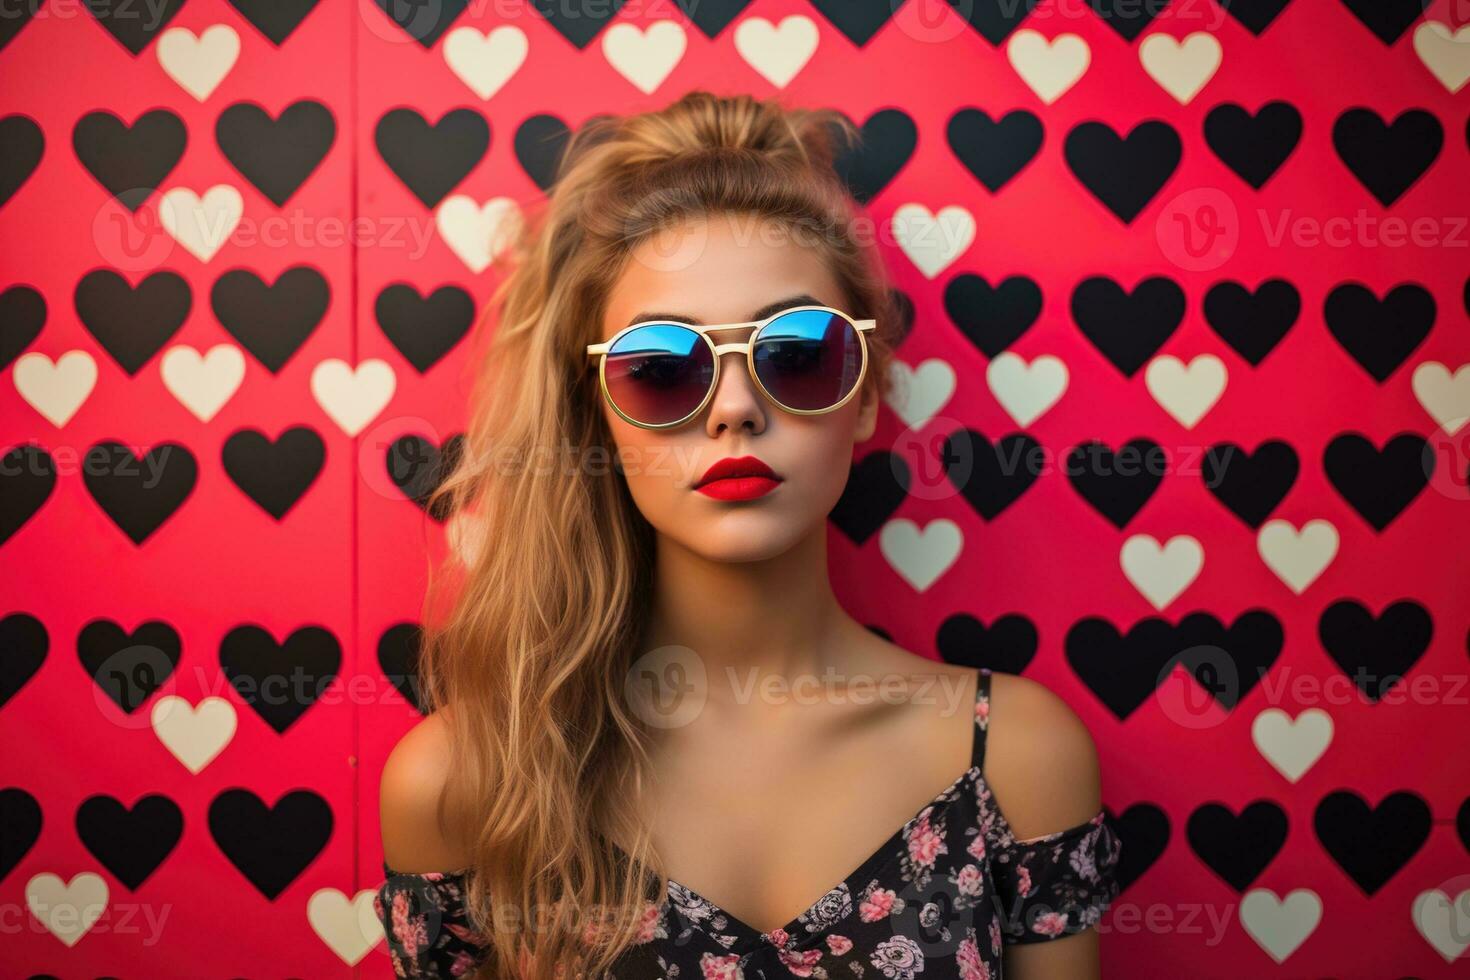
x,y
659,747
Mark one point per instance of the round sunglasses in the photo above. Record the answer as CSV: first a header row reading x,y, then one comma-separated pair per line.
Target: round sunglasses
x,y
807,360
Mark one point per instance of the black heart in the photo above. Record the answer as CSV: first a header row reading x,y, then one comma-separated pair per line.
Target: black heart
x,y
1387,19
1237,847
398,656
432,159
270,845
1252,323
1254,146
276,155
22,315
11,24
1255,15
994,151
132,324
134,27
991,477
712,16
22,144
23,647
1229,662
418,467
1387,158
271,321
1379,334
885,144
281,681
1378,484
131,843
276,19
27,477
20,816
857,20
130,161
1008,644
1123,671
994,21
1144,831
129,667
1251,485
1128,328
1462,826
877,485
902,311
1117,484
274,474
1128,17
578,23
139,494
540,144
424,22
992,317
1375,651
1372,843
424,328
1124,173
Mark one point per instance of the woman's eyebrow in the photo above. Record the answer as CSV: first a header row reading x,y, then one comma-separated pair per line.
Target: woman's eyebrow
x,y
802,300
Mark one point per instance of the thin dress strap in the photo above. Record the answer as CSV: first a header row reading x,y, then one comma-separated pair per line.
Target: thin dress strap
x,y
982,717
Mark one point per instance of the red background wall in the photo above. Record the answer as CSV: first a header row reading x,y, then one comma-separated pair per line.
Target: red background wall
x,y
197,878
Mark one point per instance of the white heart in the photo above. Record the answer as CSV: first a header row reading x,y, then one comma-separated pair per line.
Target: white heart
x,y
204,224
203,384
1446,398
1446,55
777,53
1025,391
1279,926
67,909
1444,924
349,928
475,232
1292,746
1297,557
58,389
194,734
933,241
198,64
1186,393
353,397
1161,573
1049,68
485,62
1181,68
644,58
465,533
919,393
921,556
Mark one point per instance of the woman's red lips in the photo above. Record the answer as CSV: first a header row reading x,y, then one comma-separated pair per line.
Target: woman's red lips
x,y
738,478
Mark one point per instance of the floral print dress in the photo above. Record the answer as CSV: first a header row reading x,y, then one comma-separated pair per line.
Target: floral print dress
x,y
938,901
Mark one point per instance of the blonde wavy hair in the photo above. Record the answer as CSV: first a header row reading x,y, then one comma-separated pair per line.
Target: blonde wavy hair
x,y
528,636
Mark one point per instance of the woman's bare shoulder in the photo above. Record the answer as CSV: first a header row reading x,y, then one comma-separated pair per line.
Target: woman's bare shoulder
x,y
1039,758
414,777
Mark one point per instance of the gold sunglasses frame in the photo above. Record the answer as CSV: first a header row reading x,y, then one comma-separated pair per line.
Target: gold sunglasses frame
x,y
719,350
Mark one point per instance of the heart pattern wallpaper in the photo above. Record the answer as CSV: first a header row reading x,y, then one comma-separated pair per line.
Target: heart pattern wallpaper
x,y
1179,430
